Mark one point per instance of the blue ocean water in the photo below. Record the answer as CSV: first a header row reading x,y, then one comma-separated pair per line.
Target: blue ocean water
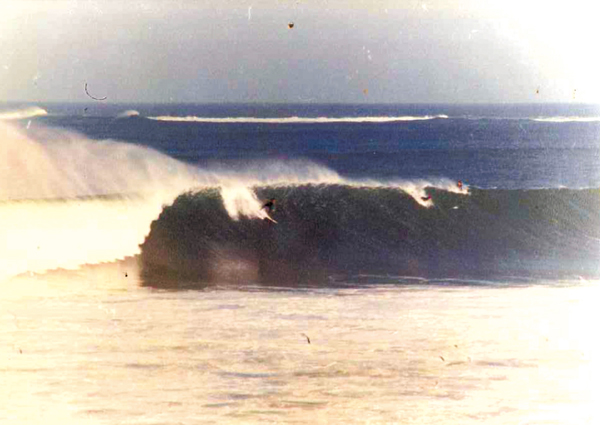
x,y
364,303
488,146
362,190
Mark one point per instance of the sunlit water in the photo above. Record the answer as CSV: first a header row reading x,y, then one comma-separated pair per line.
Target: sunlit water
x,y
92,347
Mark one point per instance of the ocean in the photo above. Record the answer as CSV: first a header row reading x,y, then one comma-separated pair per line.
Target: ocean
x,y
141,282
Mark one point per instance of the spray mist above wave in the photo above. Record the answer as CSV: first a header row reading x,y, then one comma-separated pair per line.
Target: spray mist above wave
x,y
238,187
45,163
21,114
297,120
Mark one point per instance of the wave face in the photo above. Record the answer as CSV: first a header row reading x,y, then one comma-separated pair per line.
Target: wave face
x,y
297,120
331,231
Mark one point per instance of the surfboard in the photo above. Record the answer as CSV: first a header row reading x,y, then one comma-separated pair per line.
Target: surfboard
x,y
267,218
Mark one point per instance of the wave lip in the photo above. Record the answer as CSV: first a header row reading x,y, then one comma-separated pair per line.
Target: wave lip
x,y
567,119
21,114
297,120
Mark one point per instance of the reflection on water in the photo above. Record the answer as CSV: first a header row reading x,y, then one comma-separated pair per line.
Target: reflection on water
x,y
383,354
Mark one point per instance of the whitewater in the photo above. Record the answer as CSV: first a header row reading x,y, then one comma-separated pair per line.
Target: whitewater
x,y
140,284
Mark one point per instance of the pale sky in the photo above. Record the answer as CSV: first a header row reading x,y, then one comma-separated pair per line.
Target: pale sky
x,y
399,51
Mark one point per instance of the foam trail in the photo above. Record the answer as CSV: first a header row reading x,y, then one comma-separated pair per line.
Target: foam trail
x,y
239,200
21,114
297,120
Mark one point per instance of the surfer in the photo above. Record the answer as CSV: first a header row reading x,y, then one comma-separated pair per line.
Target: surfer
x,y
268,207
459,184
426,198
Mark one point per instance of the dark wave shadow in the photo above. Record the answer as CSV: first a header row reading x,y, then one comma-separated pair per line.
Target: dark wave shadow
x,y
331,233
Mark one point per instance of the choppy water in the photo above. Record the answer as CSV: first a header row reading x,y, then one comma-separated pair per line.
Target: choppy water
x,y
112,353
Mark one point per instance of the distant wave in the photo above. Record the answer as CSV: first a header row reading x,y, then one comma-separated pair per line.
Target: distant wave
x,y
329,230
567,119
21,114
298,120
128,114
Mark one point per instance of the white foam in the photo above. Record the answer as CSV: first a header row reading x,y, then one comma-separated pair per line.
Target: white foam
x,y
128,114
567,119
297,120
240,200
21,114
415,188
41,235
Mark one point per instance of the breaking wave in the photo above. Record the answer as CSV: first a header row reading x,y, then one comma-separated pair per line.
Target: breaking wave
x,y
70,201
21,114
73,201
297,120
567,119
332,231
67,200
